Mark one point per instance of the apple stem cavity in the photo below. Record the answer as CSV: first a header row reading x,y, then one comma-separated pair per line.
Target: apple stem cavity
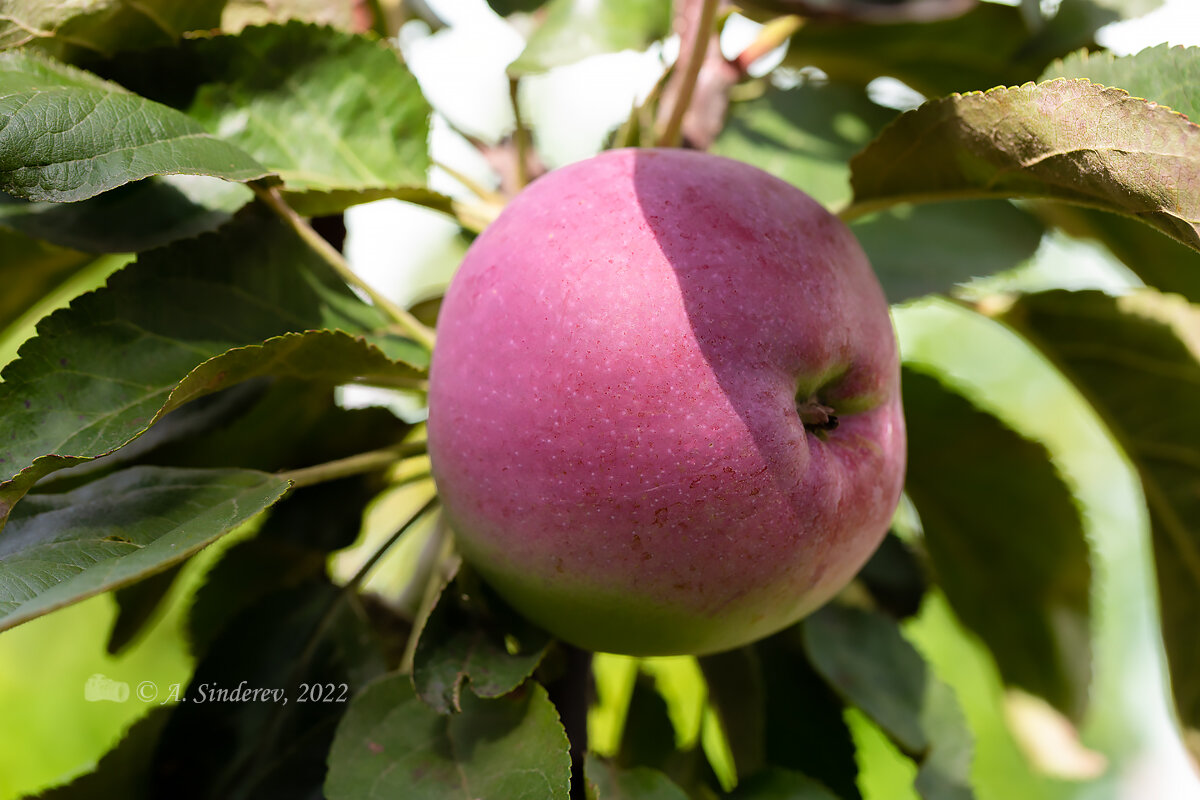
x,y
816,416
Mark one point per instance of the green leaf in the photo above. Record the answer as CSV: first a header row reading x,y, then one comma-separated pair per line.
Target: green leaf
x,y
1167,75
291,548
354,116
67,135
29,269
804,135
465,642
881,674
988,46
1137,360
737,693
806,730
576,29
137,605
781,784
123,771
895,577
103,370
648,738
1160,261
866,659
506,7
311,644
606,781
131,218
104,26
872,11
287,424
59,549
390,744
1013,561
920,250
1064,140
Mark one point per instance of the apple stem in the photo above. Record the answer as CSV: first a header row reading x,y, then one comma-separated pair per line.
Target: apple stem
x,y
520,136
702,30
816,416
411,326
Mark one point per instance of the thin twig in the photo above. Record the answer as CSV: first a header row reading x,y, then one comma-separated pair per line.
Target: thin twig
x,y
772,35
694,58
411,325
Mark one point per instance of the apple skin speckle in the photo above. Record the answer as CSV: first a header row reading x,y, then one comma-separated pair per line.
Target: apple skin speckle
x,y
613,416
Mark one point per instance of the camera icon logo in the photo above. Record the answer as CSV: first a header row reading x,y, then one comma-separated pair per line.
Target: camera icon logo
x,y
101,687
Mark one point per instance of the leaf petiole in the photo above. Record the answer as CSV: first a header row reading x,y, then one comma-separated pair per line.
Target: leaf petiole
x,y
353,465
413,327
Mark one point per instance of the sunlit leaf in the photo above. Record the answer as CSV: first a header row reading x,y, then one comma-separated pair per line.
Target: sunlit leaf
x,y
59,549
1064,140
327,110
390,744
66,135
576,29
1167,75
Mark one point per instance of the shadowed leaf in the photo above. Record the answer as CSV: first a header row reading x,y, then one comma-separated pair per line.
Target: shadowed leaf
x,y
309,644
390,744
131,218
781,784
864,657
924,249
59,549
103,26
29,269
606,781
102,371
804,135
990,45
1137,359
463,643
123,771
1006,540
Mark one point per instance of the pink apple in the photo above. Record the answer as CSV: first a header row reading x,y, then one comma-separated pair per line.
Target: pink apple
x,y
664,411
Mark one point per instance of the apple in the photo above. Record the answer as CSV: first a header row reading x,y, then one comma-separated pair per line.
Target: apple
x,y
664,404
